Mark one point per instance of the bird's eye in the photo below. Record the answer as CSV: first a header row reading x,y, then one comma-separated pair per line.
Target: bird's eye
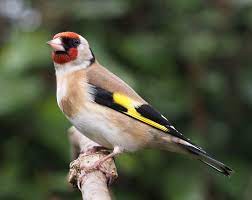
x,y
70,42
76,42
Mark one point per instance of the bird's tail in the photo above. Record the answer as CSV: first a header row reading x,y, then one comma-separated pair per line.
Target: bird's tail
x,y
201,155
186,147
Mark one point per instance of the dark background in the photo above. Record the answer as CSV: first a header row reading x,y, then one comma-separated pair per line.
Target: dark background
x,y
189,59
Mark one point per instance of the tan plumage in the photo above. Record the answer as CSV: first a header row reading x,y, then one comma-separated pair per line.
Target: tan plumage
x,y
100,76
76,101
108,111
73,100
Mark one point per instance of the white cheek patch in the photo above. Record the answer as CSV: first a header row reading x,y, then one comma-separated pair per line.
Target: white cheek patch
x,y
84,52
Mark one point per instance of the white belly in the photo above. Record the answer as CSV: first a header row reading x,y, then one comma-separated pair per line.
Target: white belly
x,y
95,124
95,127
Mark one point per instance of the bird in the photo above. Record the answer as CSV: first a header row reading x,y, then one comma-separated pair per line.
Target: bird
x,y
108,111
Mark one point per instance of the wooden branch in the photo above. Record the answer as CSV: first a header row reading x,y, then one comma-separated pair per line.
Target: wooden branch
x,y
92,184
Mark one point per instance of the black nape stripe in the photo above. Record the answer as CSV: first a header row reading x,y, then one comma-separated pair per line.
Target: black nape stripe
x,y
92,60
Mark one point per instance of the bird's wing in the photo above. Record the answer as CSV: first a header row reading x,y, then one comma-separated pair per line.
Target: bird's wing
x,y
99,76
148,115
109,90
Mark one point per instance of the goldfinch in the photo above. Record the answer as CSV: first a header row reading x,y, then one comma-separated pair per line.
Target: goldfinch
x,y
108,111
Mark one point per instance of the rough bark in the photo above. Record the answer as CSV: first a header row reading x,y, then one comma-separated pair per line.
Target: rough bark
x,y
93,184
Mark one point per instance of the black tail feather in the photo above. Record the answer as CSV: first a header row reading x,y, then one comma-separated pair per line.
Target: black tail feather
x,y
208,160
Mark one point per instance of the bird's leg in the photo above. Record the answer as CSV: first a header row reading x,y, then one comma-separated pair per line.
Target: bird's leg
x,y
98,164
94,150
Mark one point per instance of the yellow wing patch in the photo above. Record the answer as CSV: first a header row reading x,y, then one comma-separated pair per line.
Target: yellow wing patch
x,y
130,104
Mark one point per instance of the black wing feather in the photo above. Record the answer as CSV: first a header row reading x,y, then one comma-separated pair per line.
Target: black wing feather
x,y
105,98
149,112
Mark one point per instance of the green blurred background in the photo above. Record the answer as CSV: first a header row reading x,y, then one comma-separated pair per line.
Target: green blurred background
x,y
190,59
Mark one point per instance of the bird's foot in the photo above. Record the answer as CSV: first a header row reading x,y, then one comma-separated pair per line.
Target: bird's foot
x,y
100,162
111,175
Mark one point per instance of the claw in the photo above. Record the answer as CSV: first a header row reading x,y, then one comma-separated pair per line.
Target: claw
x,y
80,180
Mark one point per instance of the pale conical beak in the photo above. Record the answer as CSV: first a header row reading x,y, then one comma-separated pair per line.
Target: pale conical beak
x,y
56,44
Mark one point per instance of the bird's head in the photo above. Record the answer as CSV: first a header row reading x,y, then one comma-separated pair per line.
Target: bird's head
x,y
70,48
